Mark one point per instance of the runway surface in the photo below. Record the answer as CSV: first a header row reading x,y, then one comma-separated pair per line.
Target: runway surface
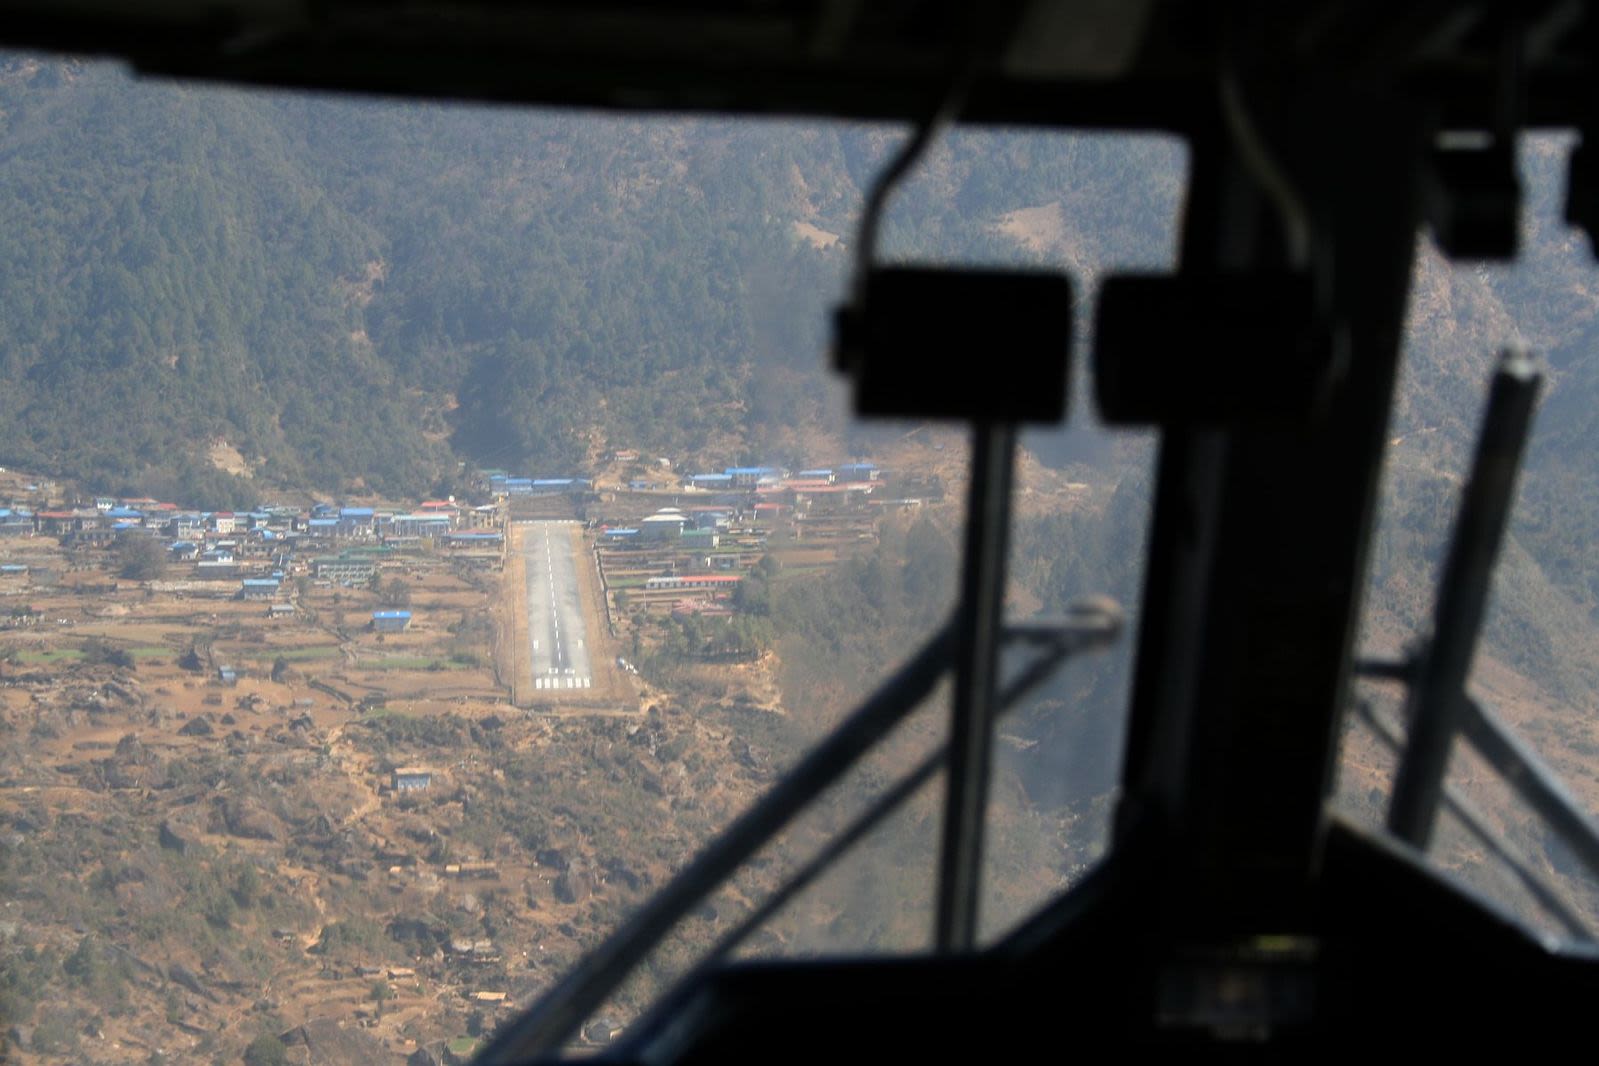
x,y
559,651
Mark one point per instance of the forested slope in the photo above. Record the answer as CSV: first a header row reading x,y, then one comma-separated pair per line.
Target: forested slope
x,y
361,294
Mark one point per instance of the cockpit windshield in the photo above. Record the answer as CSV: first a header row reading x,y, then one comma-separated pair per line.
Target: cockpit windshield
x,y
427,525
425,528
1533,668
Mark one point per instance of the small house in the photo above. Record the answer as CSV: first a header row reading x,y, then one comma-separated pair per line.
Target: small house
x,y
259,588
700,538
356,521
411,778
391,621
345,569
745,477
859,472
474,538
663,525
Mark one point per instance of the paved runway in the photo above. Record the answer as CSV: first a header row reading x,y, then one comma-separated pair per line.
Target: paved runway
x,y
560,655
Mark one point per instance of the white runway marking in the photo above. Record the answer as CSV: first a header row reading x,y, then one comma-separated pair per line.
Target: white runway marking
x,y
560,652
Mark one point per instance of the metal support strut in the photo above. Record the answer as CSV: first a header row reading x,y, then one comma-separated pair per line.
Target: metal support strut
x,y
1438,692
977,640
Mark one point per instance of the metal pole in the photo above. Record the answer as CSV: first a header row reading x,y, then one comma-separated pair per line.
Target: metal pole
x,y
1437,696
977,640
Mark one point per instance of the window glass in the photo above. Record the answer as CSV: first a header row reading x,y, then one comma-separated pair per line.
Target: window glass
x,y
1534,663
423,527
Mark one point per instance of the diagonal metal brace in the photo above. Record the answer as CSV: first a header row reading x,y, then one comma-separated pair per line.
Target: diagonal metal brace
x,y
557,1016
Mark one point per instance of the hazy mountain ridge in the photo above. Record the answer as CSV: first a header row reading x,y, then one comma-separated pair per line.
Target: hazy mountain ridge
x,y
356,293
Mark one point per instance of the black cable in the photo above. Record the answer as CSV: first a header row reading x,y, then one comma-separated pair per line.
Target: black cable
x,y
909,154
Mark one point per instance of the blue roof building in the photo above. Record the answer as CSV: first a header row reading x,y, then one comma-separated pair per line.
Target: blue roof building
x,y
469,538
418,525
391,621
752,475
356,520
858,472
259,588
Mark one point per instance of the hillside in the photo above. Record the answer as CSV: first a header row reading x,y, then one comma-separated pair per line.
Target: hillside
x,y
352,294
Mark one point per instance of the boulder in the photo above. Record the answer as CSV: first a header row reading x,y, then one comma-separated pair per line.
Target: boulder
x,y
198,726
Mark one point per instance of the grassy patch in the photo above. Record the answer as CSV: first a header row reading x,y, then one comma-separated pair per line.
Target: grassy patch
x,y
54,655
293,655
407,662
626,582
800,571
